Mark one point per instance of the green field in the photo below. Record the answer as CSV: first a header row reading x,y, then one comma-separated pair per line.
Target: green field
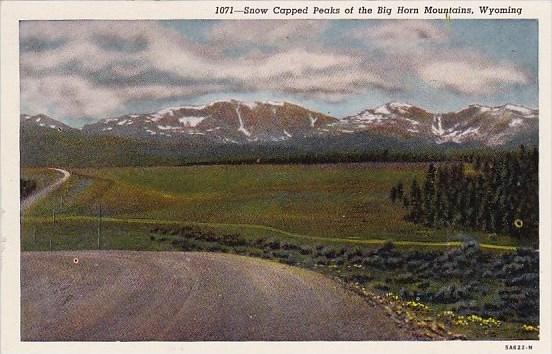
x,y
346,202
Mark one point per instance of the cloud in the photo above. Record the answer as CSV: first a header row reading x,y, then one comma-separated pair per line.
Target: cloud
x,y
421,50
66,96
401,36
267,33
118,62
95,68
471,77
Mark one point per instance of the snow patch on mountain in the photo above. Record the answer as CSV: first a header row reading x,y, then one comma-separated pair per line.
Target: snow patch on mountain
x,y
167,127
437,130
191,121
382,110
250,105
274,103
515,122
519,109
241,127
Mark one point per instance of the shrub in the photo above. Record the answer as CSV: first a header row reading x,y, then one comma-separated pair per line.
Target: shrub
x,y
525,279
288,246
354,252
321,260
328,252
406,293
423,285
381,286
394,262
272,244
450,294
388,245
374,261
308,262
405,278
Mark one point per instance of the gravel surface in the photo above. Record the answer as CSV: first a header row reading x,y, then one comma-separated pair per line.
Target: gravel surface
x,y
187,296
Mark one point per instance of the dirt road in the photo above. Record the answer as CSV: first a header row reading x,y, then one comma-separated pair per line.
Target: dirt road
x,y
30,200
181,296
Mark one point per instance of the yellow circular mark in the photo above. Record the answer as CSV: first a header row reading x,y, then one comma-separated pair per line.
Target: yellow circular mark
x,y
518,223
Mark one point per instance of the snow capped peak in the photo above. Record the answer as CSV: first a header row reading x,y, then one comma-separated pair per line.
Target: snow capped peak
x,y
273,103
169,112
479,107
519,109
383,109
250,105
399,105
393,107
44,121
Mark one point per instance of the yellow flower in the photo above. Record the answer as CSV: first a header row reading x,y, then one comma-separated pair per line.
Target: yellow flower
x,y
529,328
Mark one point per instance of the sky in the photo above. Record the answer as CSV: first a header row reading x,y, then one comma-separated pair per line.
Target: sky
x,y
82,71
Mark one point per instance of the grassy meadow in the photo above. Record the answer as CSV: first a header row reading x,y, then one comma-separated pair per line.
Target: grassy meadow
x,y
347,202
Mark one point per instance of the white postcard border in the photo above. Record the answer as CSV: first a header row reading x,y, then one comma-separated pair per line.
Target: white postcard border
x,y
12,12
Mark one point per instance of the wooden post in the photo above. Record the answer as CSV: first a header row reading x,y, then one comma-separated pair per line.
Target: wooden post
x,y
50,244
99,226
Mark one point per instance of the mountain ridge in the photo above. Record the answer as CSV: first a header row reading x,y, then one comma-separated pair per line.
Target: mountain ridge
x,y
239,122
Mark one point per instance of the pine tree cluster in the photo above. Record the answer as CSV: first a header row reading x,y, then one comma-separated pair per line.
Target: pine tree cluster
x,y
496,194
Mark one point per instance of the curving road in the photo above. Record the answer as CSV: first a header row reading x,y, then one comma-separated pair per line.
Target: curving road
x,y
33,198
182,296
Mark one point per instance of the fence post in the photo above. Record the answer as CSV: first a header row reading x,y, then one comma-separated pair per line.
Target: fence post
x,y
99,226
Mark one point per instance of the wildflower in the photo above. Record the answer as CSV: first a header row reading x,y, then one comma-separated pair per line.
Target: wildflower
x,y
529,328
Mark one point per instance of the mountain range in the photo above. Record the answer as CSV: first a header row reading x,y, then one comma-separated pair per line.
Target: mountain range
x,y
236,124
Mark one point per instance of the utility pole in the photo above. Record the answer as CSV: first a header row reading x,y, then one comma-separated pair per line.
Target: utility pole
x,y
99,225
50,244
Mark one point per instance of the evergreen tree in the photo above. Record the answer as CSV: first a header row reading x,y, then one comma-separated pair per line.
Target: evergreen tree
x,y
499,195
429,195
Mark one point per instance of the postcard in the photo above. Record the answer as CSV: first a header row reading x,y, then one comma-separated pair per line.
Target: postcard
x,y
276,176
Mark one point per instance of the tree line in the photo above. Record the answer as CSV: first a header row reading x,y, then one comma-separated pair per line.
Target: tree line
x,y
326,158
497,194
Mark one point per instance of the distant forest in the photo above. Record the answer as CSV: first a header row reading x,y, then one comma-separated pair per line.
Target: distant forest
x,y
491,193
262,155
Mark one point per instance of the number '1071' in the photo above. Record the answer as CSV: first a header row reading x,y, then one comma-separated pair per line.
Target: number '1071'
x,y
223,10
